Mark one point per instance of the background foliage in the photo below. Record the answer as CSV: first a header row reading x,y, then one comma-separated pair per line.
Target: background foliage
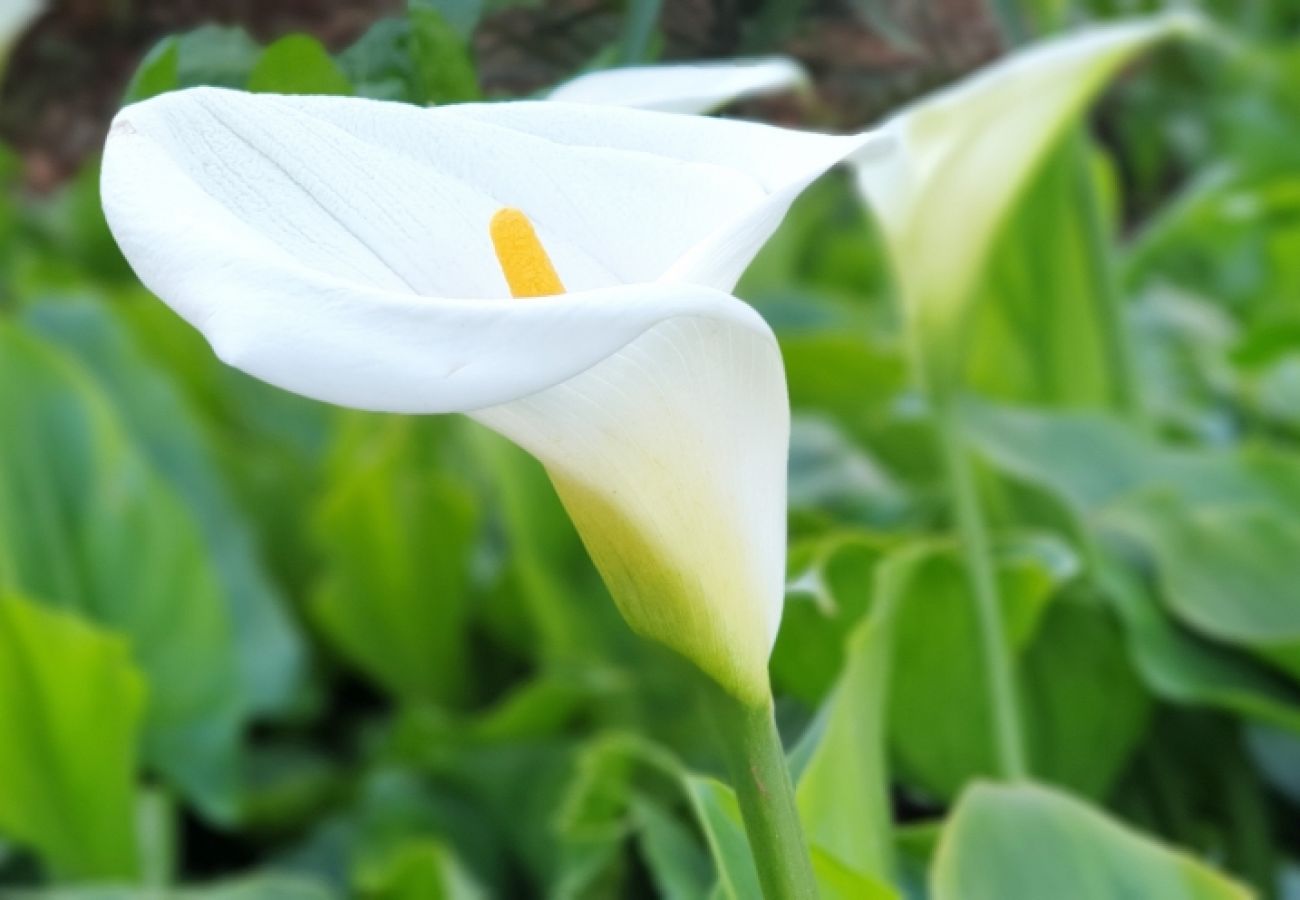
x,y
254,647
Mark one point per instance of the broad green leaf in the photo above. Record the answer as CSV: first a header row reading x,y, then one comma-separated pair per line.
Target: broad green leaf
x,y
829,475
915,844
1042,330
1084,705
157,73
1091,461
1228,572
397,537
462,15
444,71
271,443
836,881
623,791
379,64
210,55
975,147
1276,754
170,433
544,559
677,862
1030,843
940,727
71,704
86,524
418,870
297,64
719,816
1181,668
843,791
1106,475
828,595
640,29
1233,233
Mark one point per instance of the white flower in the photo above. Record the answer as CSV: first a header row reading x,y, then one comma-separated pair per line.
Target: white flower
x,y
966,153
698,87
344,249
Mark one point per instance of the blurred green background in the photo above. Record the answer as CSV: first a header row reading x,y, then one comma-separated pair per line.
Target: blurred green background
x,y
308,652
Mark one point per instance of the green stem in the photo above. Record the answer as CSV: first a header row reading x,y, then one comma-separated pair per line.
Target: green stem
x,y
1119,345
998,662
761,779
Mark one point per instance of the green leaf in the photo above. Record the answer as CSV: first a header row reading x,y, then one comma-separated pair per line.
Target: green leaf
x,y
1085,707
170,433
940,722
85,524
297,64
1030,843
157,73
677,863
825,600
623,789
1105,475
719,816
443,69
418,870
462,15
1092,462
640,28
379,64
71,702
397,536
1228,573
830,475
836,881
843,791
1182,668
544,558
217,56
1042,331
210,55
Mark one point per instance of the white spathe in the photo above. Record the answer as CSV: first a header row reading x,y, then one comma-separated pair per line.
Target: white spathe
x,y
340,249
966,154
696,87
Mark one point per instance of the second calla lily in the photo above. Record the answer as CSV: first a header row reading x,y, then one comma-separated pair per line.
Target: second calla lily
x,y
967,153
358,253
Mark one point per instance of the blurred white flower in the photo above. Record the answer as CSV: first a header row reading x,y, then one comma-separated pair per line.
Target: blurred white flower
x,y
698,87
356,252
966,153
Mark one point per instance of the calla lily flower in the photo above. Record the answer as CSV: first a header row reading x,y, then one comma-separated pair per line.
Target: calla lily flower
x,y
968,152
964,154
698,87
559,272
